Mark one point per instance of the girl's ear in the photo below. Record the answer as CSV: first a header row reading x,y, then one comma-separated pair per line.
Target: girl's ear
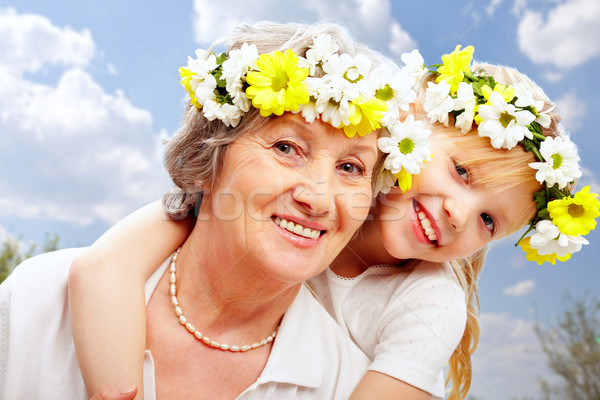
x,y
413,109
416,107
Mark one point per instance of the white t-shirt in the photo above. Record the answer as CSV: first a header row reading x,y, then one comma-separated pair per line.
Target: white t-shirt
x,y
310,359
408,320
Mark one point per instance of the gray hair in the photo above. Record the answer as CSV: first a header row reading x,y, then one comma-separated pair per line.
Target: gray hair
x,y
195,154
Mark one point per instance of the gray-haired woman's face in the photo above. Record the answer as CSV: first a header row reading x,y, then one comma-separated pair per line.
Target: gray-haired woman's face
x,y
291,195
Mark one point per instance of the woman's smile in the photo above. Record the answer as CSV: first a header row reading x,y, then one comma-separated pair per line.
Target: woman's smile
x,y
298,233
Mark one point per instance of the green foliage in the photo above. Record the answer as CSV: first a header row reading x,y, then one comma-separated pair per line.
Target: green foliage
x,y
11,253
571,344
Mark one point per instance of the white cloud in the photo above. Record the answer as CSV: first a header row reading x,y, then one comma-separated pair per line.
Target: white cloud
x,y
573,110
552,76
509,359
590,179
520,289
70,151
31,41
569,35
519,6
364,19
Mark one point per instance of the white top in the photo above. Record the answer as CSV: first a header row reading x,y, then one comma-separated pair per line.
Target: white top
x,y
408,320
310,359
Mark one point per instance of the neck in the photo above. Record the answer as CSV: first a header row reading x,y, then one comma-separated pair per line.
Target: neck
x,y
223,292
364,250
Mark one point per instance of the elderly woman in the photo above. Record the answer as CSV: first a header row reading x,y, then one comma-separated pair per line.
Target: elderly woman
x,y
227,314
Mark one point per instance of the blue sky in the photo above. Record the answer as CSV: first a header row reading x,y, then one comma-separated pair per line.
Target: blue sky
x,y
88,90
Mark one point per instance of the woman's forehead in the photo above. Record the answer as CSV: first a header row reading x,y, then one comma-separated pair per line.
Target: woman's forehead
x,y
318,133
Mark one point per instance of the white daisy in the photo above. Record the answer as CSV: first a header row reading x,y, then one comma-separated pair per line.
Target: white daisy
x,y
465,100
333,95
229,114
525,99
549,240
408,147
320,52
503,123
386,181
561,162
393,87
437,102
205,89
396,89
201,66
235,68
353,69
414,65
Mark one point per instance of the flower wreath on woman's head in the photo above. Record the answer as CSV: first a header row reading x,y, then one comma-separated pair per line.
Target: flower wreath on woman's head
x,y
346,92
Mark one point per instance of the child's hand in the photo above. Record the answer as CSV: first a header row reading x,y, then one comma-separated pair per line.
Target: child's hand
x,y
103,394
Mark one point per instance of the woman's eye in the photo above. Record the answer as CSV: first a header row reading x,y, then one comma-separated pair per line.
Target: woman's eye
x,y
285,147
488,221
350,168
462,171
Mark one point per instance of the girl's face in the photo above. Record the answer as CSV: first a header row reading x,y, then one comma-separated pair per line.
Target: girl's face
x,y
448,214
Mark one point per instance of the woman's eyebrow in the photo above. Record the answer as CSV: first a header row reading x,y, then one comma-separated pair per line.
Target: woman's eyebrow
x,y
364,148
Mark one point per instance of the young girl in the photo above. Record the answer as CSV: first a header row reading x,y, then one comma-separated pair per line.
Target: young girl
x,y
405,288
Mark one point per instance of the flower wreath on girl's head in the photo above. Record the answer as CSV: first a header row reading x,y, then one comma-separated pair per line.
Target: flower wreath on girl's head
x,y
346,92
509,115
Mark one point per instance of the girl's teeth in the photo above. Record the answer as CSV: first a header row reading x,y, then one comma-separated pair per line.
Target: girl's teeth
x,y
426,226
297,228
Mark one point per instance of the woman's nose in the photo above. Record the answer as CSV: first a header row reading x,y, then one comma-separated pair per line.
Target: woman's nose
x,y
315,193
457,211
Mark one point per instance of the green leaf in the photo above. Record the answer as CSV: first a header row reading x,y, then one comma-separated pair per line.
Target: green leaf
x,y
540,199
218,74
221,58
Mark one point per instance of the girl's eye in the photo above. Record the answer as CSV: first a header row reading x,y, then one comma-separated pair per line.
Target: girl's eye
x,y
462,172
285,147
488,221
350,168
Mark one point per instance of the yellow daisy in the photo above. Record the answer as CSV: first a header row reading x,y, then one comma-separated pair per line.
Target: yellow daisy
x,y
575,215
186,77
507,92
365,116
278,85
455,66
533,255
404,180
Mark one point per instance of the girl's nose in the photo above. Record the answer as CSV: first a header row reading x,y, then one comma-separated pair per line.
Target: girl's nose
x,y
457,212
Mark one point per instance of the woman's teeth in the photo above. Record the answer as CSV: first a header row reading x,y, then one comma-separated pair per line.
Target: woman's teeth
x,y
426,226
297,228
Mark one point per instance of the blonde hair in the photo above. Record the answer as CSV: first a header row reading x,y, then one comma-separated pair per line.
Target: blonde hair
x,y
195,155
498,167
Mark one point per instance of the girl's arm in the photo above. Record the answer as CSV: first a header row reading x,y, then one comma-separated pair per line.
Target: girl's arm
x,y
375,385
106,296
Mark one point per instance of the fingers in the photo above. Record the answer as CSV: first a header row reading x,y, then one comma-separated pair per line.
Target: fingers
x,y
104,394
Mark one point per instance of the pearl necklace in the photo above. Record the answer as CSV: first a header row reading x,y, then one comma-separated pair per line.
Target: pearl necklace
x,y
183,320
